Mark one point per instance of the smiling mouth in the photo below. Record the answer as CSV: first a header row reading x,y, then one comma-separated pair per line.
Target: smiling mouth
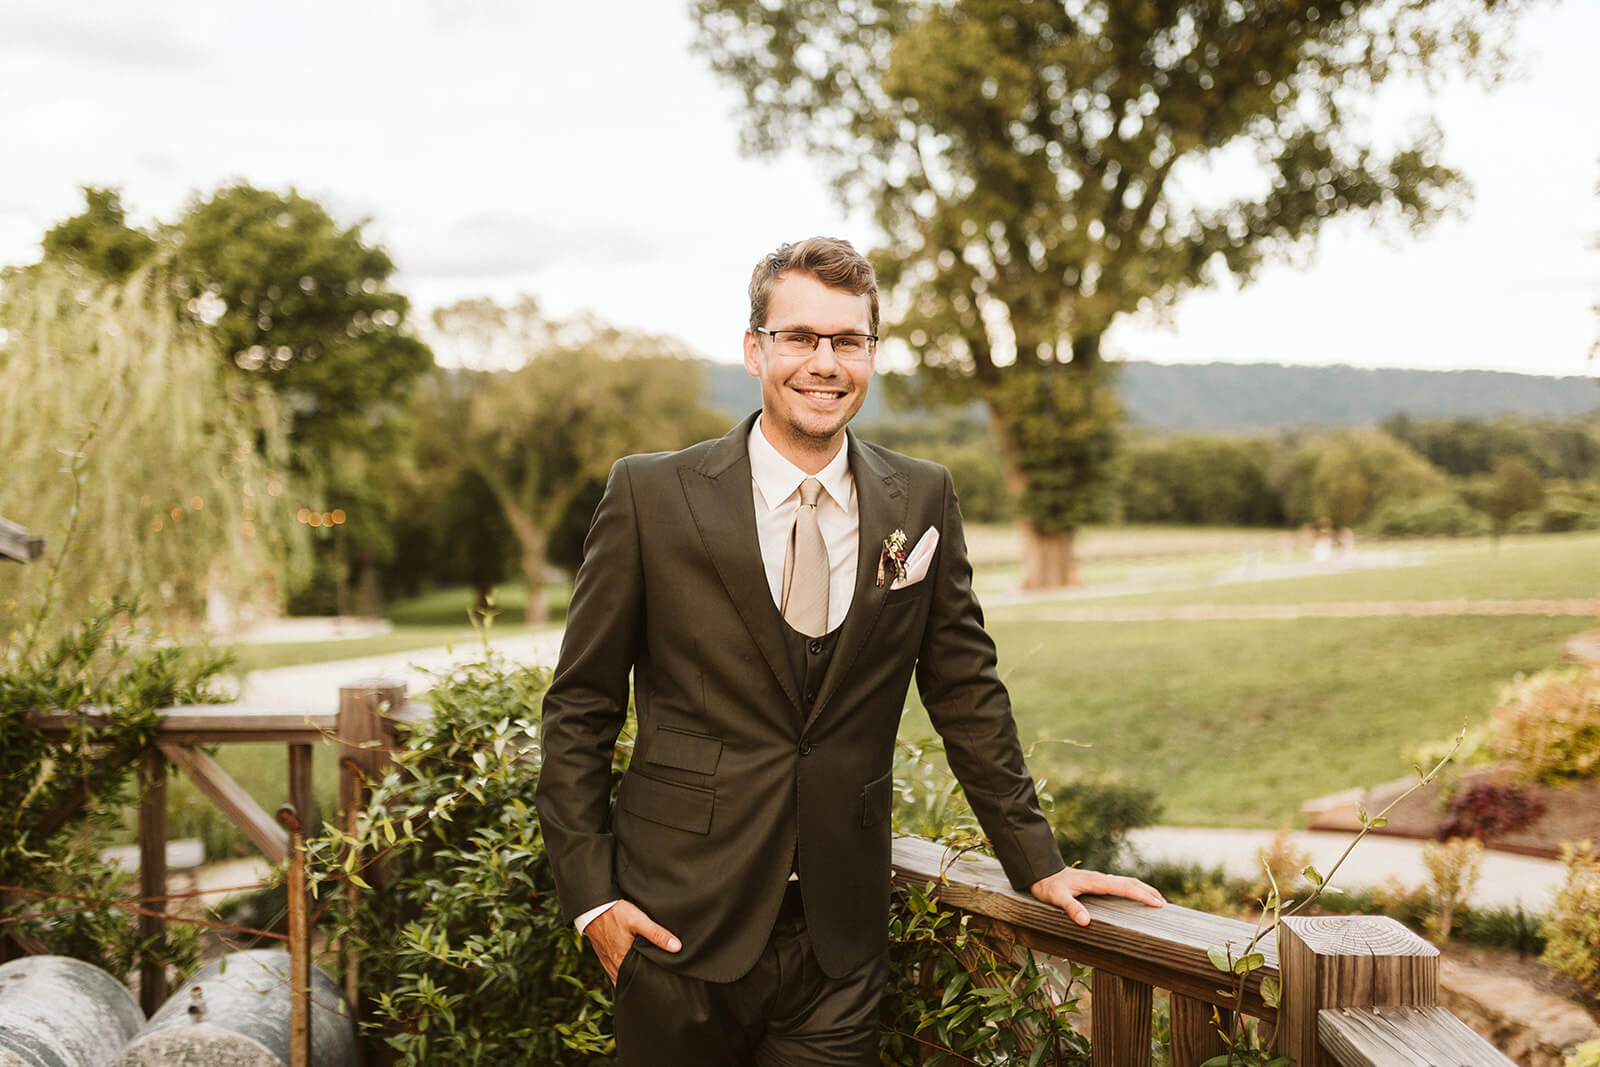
x,y
821,394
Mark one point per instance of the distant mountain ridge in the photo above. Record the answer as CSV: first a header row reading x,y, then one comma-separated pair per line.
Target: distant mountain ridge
x,y
1236,397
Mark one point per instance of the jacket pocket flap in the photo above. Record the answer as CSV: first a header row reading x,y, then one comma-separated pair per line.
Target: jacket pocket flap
x,y
674,747
877,798
683,807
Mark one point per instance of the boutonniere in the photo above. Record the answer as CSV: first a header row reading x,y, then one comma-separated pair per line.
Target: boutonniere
x,y
893,557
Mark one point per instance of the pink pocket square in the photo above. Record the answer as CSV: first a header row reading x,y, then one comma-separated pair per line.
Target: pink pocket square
x,y
919,559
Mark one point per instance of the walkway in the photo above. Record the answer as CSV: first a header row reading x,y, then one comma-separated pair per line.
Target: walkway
x,y
1505,880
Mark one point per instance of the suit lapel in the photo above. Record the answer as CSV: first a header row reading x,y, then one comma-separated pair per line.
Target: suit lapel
x,y
723,505
882,500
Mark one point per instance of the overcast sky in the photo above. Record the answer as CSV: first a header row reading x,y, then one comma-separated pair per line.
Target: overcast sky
x,y
581,153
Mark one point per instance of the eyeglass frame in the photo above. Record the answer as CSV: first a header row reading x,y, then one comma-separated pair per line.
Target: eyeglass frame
x,y
872,340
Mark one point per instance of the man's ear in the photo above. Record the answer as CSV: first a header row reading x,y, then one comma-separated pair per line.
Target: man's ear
x,y
752,354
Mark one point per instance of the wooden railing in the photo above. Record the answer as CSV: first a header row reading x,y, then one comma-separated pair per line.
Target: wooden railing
x,y
1355,990
362,726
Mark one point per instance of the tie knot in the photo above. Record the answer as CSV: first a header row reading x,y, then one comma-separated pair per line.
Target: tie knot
x,y
810,492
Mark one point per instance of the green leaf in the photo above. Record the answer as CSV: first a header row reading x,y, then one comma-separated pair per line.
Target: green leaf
x,y
1219,959
1270,991
1246,964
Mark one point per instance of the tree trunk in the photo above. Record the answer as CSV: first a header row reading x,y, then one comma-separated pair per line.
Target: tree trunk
x,y
1048,559
369,600
532,540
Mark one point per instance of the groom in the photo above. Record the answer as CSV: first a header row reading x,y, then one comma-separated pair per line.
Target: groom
x,y
771,594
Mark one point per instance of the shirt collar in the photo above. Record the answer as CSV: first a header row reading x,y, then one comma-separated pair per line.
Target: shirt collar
x,y
777,478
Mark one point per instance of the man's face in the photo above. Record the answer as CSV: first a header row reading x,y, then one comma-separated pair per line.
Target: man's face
x,y
807,400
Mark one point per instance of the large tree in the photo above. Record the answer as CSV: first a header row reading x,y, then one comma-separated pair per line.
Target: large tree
x,y
302,304
543,436
1040,168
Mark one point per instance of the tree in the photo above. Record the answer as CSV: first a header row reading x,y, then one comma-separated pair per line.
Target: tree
x,y
1513,488
543,437
1341,478
302,305
1039,169
100,240
118,423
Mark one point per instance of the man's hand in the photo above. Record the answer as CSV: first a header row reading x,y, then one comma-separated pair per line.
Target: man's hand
x,y
611,935
1065,887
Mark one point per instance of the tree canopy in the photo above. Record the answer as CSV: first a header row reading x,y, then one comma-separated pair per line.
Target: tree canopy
x,y
1038,169
542,437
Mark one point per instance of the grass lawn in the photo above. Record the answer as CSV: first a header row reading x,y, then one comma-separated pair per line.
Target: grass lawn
x,y
1237,723
1547,567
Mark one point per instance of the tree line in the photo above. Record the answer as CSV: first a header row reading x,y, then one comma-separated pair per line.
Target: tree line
x,y
1408,476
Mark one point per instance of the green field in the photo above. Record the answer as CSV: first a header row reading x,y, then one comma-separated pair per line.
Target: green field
x,y
1231,722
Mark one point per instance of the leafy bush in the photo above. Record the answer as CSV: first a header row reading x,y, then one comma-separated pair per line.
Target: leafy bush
x,y
1092,818
463,936
1572,930
1485,810
1549,725
1453,868
62,795
1432,515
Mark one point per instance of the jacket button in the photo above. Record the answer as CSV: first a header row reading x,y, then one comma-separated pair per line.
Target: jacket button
x,y
811,696
805,747
816,648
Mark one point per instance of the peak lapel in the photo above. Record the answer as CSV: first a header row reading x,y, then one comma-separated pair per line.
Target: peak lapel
x,y
883,500
720,499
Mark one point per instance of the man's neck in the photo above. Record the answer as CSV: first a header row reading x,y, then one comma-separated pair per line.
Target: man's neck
x,y
809,459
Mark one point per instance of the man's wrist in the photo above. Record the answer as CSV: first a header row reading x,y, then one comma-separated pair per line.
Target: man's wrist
x,y
582,922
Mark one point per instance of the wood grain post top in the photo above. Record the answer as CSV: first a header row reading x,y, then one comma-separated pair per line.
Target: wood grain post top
x,y
1357,935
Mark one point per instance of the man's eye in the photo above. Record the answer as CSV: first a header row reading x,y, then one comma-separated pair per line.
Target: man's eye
x,y
797,338
847,343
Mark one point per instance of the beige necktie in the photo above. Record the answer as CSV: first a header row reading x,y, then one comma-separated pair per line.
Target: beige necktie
x,y
805,567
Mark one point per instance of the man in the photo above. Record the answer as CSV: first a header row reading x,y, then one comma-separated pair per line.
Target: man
x,y
771,593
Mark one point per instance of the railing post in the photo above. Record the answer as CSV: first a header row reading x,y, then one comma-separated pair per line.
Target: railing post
x,y
299,943
1347,961
1119,1021
1195,1037
301,797
366,745
152,873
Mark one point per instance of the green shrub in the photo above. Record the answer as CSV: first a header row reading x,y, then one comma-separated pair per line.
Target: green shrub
x,y
1434,515
1092,818
1572,931
1549,725
462,940
76,904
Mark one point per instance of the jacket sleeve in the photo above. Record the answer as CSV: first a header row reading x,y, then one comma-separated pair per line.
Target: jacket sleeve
x,y
969,706
587,703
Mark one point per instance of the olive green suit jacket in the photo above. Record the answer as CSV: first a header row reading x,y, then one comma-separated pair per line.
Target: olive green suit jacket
x,y
733,769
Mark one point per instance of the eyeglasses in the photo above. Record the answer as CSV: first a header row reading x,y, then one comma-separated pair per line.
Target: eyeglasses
x,y
848,346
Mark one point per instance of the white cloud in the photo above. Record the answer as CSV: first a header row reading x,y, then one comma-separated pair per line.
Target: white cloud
x,y
116,38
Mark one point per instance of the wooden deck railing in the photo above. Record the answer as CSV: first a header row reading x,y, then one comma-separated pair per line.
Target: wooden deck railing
x,y
1356,990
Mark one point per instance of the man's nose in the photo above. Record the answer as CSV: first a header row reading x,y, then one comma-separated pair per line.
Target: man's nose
x,y
823,356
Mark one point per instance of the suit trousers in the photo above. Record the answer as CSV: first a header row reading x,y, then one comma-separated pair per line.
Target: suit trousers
x,y
784,1013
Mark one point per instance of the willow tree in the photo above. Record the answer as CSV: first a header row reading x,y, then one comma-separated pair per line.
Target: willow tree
x,y
1041,167
151,471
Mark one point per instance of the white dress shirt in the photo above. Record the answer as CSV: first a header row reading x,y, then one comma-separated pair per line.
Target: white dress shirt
x,y
776,485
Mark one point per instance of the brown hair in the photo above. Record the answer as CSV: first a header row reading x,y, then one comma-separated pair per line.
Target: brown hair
x,y
830,260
